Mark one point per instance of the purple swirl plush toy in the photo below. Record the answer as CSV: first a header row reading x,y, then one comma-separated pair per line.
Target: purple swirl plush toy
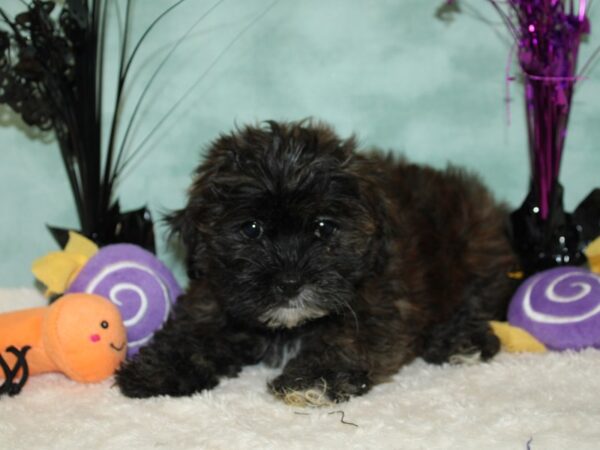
x,y
141,286
560,307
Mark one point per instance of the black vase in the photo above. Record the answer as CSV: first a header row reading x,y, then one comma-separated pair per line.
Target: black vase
x,y
560,238
114,227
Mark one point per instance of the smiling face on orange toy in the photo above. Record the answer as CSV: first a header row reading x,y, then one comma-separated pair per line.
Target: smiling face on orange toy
x,y
85,337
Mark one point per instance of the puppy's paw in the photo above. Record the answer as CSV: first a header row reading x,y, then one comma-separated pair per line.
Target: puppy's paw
x,y
313,390
463,346
138,379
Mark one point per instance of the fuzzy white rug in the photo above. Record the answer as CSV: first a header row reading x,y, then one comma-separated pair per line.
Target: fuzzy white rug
x,y
549,401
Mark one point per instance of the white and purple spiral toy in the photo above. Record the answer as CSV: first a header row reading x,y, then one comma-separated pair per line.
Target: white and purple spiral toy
x,y
560,307
141,286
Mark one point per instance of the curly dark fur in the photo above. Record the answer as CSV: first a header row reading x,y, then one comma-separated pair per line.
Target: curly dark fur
x,y
413,264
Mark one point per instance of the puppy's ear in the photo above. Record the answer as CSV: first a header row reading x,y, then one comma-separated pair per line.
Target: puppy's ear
x,y
371,178
183,227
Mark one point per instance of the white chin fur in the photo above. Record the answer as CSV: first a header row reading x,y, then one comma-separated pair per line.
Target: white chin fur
x,y
294,314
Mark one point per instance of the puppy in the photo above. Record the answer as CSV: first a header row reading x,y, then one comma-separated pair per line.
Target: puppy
x,y
339,266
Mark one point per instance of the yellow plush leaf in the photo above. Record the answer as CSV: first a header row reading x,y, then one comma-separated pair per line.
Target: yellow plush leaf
x,y
592,252
56,270
80,245
515,339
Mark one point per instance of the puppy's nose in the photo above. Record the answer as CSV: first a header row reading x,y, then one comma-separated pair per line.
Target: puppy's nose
x,y
288,284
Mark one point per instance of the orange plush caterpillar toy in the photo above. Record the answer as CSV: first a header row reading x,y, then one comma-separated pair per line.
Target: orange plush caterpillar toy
x,y
80,335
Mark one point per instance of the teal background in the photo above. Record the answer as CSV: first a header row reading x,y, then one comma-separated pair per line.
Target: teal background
x,y
386,70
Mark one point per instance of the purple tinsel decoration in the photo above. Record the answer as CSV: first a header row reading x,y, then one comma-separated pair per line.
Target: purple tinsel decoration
x,y
547,34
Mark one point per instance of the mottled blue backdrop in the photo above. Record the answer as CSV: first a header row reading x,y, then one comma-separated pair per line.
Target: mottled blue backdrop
x,y
386,70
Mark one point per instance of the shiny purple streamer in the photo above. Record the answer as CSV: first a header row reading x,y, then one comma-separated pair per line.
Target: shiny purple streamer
x,y
547,35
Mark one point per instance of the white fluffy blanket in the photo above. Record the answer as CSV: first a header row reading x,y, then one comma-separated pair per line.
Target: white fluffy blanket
x,y
549,401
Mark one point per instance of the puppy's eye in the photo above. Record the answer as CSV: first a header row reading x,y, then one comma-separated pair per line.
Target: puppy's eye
x,y
252,230
325,228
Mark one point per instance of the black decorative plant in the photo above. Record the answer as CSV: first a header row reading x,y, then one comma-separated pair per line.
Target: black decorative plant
x,y
51,74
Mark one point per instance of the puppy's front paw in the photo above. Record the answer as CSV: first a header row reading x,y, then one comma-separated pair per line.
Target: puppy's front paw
x,y
139,379
466,344
319,390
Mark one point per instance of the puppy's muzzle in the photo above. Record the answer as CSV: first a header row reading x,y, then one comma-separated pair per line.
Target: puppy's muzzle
x,y
288,284
293,310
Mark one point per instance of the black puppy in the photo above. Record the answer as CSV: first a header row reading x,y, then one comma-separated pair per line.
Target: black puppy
x,y
350,265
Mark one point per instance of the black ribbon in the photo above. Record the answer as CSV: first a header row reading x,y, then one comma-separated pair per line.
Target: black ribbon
x,y
11,387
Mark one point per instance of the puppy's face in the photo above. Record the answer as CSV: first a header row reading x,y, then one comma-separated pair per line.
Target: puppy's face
x,y
282,224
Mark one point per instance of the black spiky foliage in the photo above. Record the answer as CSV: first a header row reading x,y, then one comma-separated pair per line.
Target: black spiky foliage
x,y
51,74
